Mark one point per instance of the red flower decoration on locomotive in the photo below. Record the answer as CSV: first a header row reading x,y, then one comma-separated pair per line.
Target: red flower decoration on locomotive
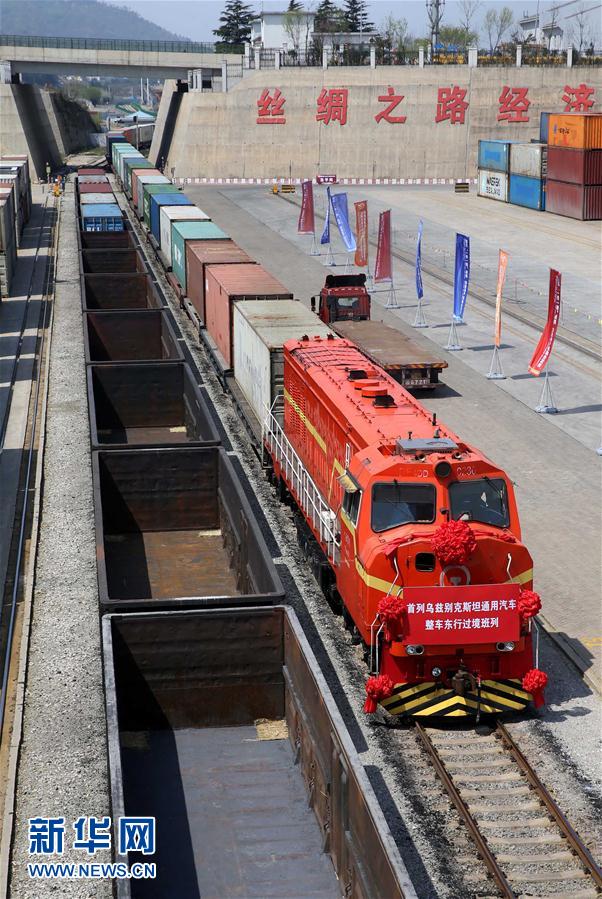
x,y
454,543
529,604
534,682
391,610
377,688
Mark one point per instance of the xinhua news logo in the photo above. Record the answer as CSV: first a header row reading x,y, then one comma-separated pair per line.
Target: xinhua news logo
x,y
51,837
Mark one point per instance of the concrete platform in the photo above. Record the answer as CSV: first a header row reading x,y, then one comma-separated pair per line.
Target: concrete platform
x,y
551,459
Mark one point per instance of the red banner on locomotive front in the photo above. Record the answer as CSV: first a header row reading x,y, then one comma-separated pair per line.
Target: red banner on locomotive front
x,y
480,613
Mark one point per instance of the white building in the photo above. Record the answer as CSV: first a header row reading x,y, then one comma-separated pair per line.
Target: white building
x,y
536,30
282,30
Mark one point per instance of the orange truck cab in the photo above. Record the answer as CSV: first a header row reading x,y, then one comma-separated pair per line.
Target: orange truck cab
x,y
343,298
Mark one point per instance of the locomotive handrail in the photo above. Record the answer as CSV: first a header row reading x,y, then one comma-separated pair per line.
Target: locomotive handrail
x,y
312,502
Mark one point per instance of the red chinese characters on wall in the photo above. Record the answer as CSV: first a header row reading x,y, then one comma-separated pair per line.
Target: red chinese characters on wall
x,y
578,99
332,106
270,109
392,100
514,104
451,105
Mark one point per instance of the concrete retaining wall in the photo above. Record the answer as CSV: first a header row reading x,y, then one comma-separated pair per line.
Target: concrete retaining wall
x,y
217,135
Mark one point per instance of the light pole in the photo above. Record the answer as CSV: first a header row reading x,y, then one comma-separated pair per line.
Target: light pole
x,y
434,9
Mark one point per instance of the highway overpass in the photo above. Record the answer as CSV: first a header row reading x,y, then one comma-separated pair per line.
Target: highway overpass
x,y
121,58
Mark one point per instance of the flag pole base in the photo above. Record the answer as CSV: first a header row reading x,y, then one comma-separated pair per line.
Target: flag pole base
x,y
453,343
392,298
546,401
496,372
314,247
330,257
348,266
369,278
420,318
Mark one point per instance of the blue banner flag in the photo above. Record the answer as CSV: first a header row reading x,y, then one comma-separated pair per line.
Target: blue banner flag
x,y
341,214
419,290
462,275
326,232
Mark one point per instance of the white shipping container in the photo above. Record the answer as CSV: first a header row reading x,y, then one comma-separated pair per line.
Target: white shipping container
x,y
530,160
493,185
8,263
260,328
147,179
7,219
171,214
85,199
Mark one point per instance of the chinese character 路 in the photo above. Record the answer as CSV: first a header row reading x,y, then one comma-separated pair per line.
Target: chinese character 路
x,y
270,108
332,106
514,104
578,99
393,100
451,105
137,835
46,836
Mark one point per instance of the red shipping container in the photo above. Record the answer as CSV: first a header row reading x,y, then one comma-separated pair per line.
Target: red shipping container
x,y
92,171
227,284
134,181
98,187
199,254
575,166
574,200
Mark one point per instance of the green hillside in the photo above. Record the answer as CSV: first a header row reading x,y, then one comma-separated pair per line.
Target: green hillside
x,y
78,18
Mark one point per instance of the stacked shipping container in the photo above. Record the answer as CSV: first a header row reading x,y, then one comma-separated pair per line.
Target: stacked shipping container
x,y
513,172
15,209
575,165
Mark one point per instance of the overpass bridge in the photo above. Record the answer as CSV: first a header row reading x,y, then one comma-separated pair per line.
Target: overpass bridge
x,y
121,58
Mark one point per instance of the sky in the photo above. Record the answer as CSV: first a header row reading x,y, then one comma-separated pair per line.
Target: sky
x,y
196,19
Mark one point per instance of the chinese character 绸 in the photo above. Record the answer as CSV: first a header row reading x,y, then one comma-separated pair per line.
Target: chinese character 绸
x,y
514,104
578,99
392,100
332,106
451,105
270,108
46,836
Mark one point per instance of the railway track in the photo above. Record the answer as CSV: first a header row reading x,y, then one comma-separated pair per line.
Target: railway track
x,y
526,842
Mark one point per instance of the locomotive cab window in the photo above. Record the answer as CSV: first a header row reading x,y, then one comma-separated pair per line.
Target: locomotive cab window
x,y
397,504
351,505
484,500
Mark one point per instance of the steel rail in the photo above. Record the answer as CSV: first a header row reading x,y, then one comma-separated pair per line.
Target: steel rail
x,y
560,819
42,325
481,843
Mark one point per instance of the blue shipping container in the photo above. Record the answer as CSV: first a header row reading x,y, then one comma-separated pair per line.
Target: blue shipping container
x,y
158,200
528,192
543,126
494,155
102,217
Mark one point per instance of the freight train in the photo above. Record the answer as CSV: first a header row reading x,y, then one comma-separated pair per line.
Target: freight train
x,y
414,533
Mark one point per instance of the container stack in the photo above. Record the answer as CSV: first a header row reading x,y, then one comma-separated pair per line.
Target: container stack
x,y
527,182
98,207
8,243
575,166
14,172
494,167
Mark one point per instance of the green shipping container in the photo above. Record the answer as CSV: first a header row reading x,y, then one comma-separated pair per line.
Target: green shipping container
x,y
128,166
183,231
150,189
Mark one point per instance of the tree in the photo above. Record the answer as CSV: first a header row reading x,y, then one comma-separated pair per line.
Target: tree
x,y
394,33
496,24
580,33
236,22
456,36
328,17
355,13
298,26
468,10
294,6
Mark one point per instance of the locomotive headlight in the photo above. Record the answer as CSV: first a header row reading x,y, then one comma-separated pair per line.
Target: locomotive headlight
x,y
443,469
505,647
436,672
415,650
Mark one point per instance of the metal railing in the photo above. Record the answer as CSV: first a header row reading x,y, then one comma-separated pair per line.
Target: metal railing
x,y
316,509
88,43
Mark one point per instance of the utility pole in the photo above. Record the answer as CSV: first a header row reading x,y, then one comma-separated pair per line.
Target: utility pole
x,y
434,9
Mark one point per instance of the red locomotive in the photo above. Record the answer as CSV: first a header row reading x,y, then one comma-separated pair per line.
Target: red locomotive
x,y
420,532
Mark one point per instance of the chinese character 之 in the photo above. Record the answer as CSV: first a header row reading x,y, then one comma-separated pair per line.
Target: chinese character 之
x,y
392,100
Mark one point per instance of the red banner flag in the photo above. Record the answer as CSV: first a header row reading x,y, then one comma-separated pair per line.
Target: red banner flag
x,y
361,233
501,277
306,217
546,341
383,270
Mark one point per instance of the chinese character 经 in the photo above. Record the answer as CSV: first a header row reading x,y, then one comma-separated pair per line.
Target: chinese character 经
x,y
137,835
92,834
46,836
451,105
270,110
514,104
578,99
393,100
332,106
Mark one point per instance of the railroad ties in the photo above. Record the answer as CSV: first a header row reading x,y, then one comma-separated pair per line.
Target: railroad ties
x,y
526,842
